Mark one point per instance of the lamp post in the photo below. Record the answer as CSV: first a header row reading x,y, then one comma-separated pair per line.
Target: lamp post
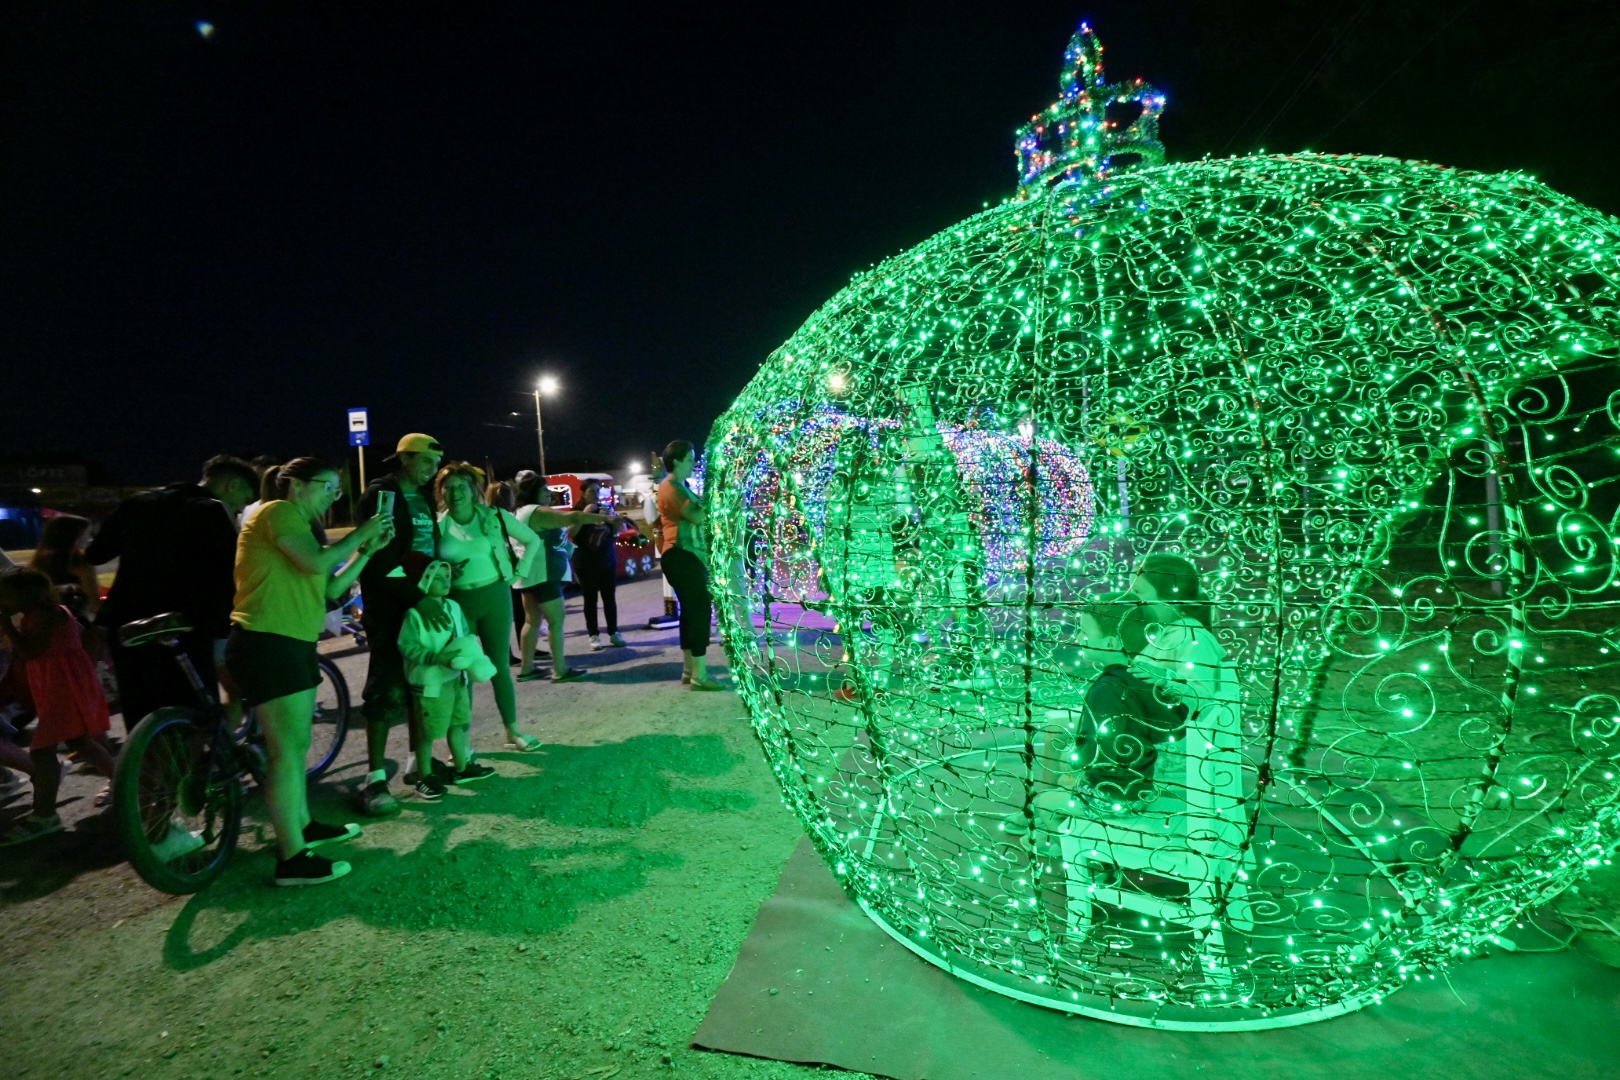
x,y
546,385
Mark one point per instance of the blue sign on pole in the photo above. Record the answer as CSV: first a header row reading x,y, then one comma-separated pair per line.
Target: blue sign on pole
x,y
359,428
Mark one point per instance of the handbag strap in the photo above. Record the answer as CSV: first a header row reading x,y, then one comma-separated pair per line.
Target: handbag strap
x,y
500,516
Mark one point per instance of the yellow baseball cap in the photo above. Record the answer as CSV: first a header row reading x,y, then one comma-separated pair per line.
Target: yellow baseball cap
x,y
417,443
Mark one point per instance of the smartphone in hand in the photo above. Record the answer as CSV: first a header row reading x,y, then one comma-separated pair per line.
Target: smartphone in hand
x,y
385,504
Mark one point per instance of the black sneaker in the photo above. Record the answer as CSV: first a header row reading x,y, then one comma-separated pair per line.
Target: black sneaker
x,y
472,773
441,769
430,789
307,868
318,833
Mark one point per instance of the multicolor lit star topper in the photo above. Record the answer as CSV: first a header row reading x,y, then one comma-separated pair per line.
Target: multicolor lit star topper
x,y
1075,136
1350,424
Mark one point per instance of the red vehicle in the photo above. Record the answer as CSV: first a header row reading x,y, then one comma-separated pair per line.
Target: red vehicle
x,y
633,549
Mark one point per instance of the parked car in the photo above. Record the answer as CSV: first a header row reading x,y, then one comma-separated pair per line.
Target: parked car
x,y
20,520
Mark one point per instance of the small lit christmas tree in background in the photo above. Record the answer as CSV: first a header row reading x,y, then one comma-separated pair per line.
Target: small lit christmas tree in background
x,y
1375,404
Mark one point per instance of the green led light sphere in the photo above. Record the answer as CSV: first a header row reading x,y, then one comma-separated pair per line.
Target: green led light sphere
x,y
1356,420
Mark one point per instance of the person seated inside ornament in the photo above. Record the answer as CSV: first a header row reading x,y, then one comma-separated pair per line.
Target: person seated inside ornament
x,y
1101,756
1171,580
1182,658
443,658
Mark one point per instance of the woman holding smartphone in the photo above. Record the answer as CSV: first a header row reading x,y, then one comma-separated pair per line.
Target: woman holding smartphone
x,y
284,577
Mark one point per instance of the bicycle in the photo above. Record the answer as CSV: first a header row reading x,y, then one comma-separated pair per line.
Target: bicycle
x,y
177,785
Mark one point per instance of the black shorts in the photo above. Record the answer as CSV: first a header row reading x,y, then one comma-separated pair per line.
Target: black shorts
x,y
546,590
263,667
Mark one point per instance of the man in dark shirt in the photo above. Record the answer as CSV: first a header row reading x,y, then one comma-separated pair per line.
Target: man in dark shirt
x,y
176,552
387,594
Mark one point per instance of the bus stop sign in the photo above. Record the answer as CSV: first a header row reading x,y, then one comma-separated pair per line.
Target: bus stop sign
x,y
359,428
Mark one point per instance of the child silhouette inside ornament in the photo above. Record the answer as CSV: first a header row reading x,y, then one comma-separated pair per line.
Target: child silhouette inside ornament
x,y
1102,755
443,657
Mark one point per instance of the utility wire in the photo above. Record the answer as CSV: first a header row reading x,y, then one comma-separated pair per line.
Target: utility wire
x,y
1410,57
1333,47
1260,101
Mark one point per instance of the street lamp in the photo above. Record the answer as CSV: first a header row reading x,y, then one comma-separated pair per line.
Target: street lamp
x,y
544,388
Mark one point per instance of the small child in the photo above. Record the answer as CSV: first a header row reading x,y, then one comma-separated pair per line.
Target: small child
x,y
1122,719
442,659
62,681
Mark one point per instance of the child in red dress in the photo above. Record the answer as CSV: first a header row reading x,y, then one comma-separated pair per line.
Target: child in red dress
x,y
67,695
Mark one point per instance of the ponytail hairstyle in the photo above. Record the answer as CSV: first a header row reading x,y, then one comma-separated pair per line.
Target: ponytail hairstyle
x,y
528,484
270,486
1175,580
500,495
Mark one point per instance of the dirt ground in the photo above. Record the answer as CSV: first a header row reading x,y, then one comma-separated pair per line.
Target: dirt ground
x,y
571,917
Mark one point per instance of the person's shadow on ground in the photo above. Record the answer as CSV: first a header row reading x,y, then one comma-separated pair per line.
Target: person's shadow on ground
x,y
481,884
621,784
40,867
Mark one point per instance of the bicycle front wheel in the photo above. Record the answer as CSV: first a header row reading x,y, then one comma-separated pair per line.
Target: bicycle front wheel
x,y
176,806
330,723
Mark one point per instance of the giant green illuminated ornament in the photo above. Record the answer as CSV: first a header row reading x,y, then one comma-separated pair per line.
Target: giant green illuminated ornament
x,y
1374,403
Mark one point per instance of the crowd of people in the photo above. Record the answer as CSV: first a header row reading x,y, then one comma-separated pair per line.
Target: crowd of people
x,y
445,562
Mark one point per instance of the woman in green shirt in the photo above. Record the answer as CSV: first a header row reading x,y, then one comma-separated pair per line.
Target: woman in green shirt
x,y
476,540
284,576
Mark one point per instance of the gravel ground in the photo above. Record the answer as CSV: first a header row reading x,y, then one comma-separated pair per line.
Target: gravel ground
x,y
571,917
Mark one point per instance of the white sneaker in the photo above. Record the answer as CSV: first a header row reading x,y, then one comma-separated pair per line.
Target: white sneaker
x,y
596,643
179,842
615,639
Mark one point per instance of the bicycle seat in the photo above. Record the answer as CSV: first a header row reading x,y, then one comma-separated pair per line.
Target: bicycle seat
x,y
143,631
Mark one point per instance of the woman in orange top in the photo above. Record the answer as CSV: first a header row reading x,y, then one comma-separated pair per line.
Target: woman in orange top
x,y
680,543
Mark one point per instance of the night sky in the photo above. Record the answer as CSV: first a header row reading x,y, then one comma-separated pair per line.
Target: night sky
x,y
220,243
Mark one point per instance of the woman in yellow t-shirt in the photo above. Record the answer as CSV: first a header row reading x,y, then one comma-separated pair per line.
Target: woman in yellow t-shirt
x,y
283,579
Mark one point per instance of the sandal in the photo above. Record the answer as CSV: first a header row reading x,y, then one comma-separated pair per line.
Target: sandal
x,y
104,796
523,744
706,684
528,676
570,675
